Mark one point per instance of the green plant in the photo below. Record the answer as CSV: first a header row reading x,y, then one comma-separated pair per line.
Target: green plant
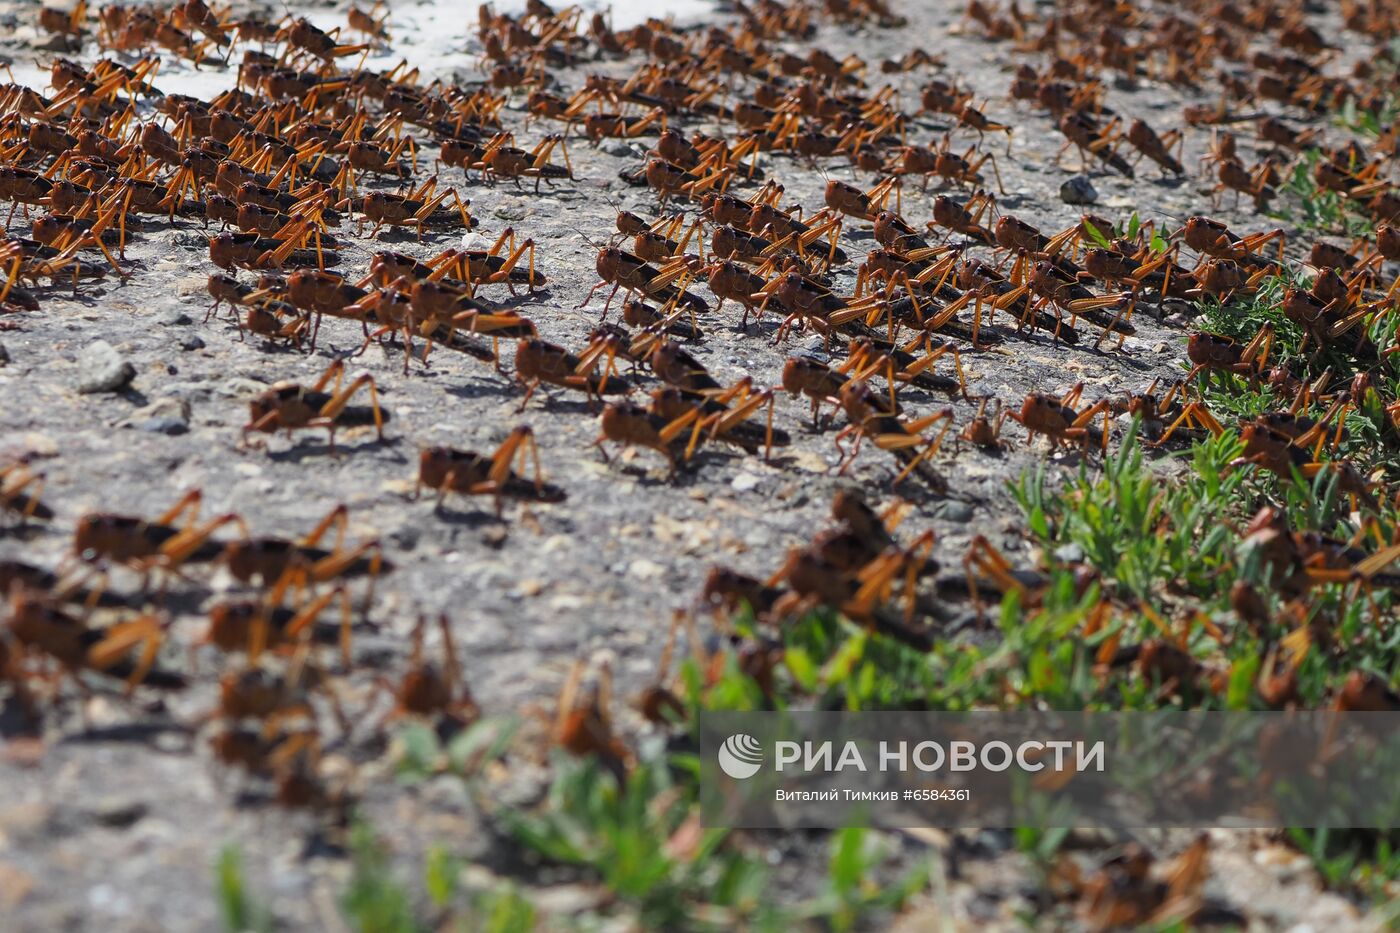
x,y
1042,845
236,907
852,893
440,875
1359,860
1131,526
1314,208
374,901
623,834
1372,123
421,754
502,910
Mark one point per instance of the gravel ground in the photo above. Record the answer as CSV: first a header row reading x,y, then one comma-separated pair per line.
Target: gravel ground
x,y
114,824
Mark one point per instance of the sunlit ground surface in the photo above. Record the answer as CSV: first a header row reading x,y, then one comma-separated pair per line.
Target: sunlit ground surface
x,y
438,37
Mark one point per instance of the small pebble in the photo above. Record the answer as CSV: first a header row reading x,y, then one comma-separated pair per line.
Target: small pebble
x,y
165,416
117,813
103,369
192,343
406,537
170,426
644,569
239,387
173,318
955,511
4,355
745,482
189,240
1078,190
191,390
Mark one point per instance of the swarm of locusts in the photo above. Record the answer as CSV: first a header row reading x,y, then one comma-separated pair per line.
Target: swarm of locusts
x,y
309,159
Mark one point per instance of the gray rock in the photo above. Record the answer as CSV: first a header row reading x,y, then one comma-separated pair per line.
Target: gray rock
x,y
968,619
117,813
1069,554
745,482
1078,190
239,387
955,511
188,240
4,355
173,318
102,369
165,416
447,792
188,391
619,149
169,426
192,343
406,537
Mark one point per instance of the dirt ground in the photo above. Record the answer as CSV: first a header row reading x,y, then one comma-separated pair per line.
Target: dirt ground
x,y
114,823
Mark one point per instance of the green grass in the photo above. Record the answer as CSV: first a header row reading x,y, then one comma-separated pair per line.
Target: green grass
x,y
504,910
1131,527
1244,314
620,834
1158,243
237,909
1170,539
420,754
1371,440
1177,546
440,875
1315,209
641,840
377,902
1372,123
374,901
852,894
1366,861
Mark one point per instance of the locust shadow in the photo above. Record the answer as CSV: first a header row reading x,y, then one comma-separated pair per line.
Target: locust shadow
x,y
429,237
19,720
555,404
471,518
131,733
523,299
483,389
306,451
27,531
